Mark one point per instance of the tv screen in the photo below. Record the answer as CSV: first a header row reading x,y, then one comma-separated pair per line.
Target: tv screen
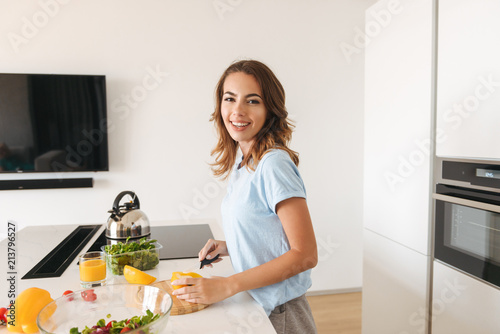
x,y
53,123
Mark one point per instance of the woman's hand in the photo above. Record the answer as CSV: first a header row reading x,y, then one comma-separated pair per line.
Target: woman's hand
x,y
203,290
206,290
211,249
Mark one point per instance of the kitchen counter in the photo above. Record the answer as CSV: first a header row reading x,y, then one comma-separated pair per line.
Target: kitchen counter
x,y
237,314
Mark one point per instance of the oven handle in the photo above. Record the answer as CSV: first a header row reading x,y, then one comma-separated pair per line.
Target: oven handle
x,y
467,202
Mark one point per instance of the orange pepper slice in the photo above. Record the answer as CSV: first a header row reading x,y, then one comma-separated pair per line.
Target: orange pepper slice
x,y
178,275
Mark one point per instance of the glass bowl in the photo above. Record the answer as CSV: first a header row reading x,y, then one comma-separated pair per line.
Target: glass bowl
x,y
119,301
146,259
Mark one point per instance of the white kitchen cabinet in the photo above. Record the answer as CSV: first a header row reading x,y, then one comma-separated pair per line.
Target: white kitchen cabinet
x,y
468,86
394,287
462,304
398,122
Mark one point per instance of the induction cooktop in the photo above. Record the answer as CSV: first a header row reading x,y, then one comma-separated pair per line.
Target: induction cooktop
x,y
178,241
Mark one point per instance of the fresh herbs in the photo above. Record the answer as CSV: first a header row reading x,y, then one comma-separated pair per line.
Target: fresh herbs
x,y
141,255
116,327
127,247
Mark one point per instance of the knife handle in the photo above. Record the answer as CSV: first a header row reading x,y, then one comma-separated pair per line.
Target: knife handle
x,y
207,261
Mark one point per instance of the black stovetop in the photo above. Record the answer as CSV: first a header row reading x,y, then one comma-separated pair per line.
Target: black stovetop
x,y
178,241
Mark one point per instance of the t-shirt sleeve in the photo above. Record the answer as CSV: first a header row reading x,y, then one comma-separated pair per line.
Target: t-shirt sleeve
x,y
281,179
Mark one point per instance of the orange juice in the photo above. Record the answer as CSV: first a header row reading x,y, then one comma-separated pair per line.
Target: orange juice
x,y
92,270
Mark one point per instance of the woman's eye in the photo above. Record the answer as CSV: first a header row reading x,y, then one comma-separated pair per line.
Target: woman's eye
x,y
253,102
229,99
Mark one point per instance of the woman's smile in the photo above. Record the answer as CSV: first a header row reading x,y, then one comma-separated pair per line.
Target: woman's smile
x,y
240,125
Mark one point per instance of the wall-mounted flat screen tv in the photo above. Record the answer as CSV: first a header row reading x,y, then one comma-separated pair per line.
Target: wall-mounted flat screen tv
x,y
53,123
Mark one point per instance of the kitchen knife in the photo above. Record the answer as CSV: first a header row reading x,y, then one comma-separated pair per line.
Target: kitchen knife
x,y
202,263
206,261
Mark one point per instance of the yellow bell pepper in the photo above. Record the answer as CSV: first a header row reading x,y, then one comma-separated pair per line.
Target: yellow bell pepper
x,y
178,275
26,308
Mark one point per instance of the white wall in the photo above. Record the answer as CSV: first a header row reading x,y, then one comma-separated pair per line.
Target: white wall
x,y
160,148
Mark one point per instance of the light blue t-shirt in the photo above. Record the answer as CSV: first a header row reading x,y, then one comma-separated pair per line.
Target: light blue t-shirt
x,y
253,230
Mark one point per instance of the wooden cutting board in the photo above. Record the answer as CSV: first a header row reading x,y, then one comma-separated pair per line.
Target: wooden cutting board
x,y
179,306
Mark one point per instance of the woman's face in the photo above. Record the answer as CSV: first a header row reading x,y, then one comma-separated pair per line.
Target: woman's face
x,y
242,108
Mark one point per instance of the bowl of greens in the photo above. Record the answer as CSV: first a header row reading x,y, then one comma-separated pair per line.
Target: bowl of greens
x,y
109,309
143,255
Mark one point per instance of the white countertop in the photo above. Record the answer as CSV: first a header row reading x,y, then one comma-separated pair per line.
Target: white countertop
x,y
238,314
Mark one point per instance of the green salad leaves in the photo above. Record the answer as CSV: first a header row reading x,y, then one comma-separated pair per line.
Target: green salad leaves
x,y
116,327
141,255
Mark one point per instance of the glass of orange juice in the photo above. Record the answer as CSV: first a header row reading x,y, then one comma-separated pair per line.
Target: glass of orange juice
x,y
92,269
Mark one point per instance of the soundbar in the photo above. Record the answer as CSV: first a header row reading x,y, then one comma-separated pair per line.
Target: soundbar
x,y
46,183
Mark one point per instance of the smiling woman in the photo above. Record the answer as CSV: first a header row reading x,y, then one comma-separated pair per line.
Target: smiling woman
x,y
268,229
261,92
242,109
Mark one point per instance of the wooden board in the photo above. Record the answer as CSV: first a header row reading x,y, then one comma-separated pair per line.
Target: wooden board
x,y
179,306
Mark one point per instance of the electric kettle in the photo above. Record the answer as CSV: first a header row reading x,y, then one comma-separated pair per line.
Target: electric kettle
x,y
127,220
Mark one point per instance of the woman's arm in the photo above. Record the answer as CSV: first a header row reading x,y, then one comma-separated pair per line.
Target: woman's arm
x,y
296,221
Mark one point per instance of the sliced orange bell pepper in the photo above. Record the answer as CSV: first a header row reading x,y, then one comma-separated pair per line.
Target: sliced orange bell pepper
x,y
178,275
26,308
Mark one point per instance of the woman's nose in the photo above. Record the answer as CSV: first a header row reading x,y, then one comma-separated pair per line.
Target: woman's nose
x,y
238,108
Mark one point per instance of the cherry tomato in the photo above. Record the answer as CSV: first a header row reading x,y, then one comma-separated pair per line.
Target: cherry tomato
x,y
125,329
68,292
3,315
108,326
89,295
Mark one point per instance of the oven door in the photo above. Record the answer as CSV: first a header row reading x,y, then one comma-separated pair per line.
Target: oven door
x,y
467,231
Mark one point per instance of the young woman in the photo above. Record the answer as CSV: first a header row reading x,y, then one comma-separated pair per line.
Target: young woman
x,y
268,229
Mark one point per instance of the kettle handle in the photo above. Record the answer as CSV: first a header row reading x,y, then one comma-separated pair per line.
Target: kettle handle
x,y
118,198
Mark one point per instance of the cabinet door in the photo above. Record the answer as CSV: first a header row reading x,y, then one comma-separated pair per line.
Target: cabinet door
x,y
468,86
394,287
462,304
398,122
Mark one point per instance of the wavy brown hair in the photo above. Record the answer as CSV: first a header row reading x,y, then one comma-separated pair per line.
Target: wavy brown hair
x,y
277,129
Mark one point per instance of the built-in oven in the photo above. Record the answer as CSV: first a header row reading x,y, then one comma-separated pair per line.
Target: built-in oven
x,y
467,218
